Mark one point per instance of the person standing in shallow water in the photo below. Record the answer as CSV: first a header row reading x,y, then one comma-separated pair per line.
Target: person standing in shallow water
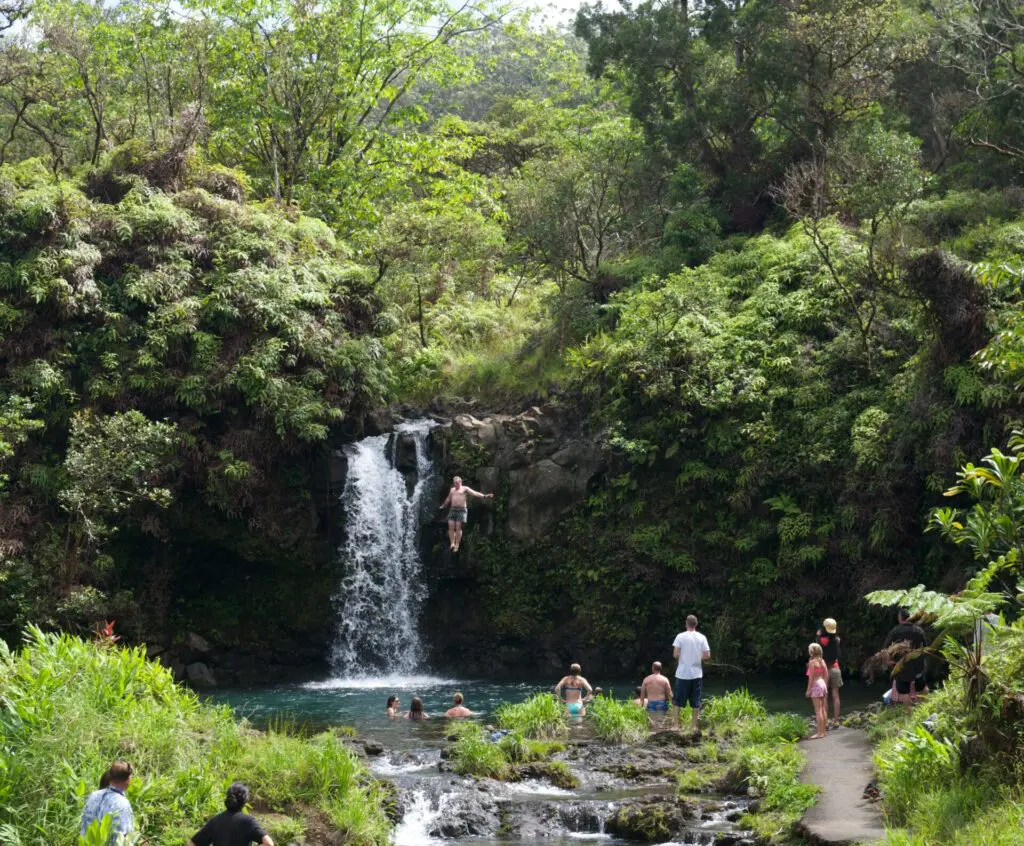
x,y
656,696
575,691
828,639
458,510
232,826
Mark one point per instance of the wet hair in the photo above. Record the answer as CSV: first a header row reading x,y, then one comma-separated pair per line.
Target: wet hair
x,y
637,692
691,622
575,669
458,698
391,701
119,772
656,666
105,780
814,650
237,797
416,706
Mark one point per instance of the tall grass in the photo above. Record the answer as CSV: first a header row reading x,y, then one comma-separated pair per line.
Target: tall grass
x,y
541,717
474,754
68,708
615,721
727,711
756,751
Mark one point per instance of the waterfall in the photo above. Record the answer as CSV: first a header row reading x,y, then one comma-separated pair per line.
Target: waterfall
x,y
381,593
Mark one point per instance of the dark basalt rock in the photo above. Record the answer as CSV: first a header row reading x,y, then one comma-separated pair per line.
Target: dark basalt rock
x,y
650,820
470,814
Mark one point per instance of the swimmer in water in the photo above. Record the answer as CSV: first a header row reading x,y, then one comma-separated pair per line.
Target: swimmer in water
x,y
392,707
575,691
416,711
458,710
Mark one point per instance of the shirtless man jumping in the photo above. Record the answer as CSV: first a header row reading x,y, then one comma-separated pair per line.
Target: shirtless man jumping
x,y
458,510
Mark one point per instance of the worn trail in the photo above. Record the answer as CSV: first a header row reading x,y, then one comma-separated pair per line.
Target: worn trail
x,y
840,764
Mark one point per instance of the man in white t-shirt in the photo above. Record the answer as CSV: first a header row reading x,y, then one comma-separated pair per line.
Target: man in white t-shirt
x,y
690,648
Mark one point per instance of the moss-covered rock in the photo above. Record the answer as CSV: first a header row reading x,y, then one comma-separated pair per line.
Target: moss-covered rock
x,y
650,820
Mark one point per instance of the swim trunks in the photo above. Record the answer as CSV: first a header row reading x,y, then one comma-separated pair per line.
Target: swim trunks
x,y
835,678
656,707
457,515
688,691
575,708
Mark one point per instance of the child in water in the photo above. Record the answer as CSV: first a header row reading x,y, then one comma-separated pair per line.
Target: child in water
x,y
392,707
817,687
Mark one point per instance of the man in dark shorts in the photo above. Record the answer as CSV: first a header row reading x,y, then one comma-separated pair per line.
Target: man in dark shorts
x,y
828,639
459,510
908,681
690,648
232,827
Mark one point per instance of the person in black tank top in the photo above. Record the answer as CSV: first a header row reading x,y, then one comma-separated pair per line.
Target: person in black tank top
x,y
232,827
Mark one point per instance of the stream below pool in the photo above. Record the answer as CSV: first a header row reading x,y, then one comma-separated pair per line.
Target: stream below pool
x,y
442,808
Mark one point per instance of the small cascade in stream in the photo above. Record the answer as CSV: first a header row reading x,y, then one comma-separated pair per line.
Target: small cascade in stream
x,y
381,593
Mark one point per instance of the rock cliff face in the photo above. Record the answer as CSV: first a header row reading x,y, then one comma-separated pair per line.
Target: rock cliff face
x,y
540,465
538,461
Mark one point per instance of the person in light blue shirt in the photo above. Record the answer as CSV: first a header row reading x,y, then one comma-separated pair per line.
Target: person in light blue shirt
x,y
111,801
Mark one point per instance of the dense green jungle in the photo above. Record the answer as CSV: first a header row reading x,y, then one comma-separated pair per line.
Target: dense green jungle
x,y
765,255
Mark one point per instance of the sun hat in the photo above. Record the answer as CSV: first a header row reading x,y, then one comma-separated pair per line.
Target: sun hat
x,y
830,625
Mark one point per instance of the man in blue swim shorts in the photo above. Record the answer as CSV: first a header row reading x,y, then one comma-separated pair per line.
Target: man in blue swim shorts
x,y
690,648
656,694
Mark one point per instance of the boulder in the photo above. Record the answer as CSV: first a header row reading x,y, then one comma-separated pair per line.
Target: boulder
x,y
542,492
649,820
197,643
467,815
200,675
405,453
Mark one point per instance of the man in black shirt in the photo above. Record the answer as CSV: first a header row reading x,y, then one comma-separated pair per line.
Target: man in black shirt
x,y
828,639
232,827
908,682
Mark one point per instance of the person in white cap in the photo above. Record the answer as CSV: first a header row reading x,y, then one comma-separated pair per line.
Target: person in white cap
x,y
828,640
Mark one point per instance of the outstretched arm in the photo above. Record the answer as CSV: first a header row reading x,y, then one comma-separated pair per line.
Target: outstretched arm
x,y
477,493
447,499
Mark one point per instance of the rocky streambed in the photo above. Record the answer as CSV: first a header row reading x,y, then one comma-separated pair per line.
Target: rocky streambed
x,y
626,794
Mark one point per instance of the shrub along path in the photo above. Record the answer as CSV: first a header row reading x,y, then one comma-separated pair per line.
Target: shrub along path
x,y
840,764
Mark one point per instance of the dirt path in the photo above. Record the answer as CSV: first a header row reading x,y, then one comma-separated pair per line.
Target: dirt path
x,y
840,764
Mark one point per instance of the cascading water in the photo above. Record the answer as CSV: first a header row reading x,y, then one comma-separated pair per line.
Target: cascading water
x,y
381,594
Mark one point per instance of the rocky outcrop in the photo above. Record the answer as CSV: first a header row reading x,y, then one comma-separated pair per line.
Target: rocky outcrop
x,y
540,461
650,820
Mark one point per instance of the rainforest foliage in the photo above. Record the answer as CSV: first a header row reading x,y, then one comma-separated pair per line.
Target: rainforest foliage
x,y
769,250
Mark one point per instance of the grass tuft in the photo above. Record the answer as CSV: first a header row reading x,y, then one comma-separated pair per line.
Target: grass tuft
x,y
617,721
541,717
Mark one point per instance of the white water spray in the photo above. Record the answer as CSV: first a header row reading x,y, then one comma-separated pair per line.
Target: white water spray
x,y
382,592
